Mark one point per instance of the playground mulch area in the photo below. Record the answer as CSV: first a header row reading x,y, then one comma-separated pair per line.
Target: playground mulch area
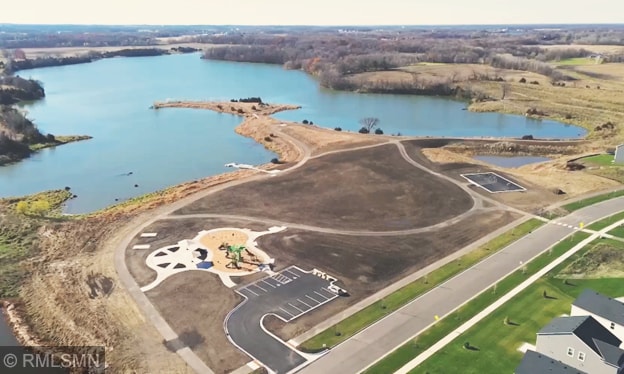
x,y
194,304
170,232
367,189
364,265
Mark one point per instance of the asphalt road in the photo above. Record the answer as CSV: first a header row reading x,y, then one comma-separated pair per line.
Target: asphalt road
x,y
287,295
386,335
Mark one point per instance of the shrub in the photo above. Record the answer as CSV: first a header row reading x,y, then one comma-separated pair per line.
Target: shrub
x,y
337,128
22,207
522,80
50,138
363,130
506,321
232,109
311,123
268,139
527,137
275,161
253,107
379,131
305,122
534,82
240,111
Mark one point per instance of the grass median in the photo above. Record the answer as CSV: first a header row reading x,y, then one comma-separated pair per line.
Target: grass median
x,y
601,224
367,316
496,339
592,200
413,348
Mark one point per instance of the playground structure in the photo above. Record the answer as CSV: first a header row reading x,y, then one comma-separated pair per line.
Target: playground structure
x,y
209,251
234,252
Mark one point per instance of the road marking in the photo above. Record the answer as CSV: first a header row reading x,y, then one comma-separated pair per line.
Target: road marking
x,y
299,300
257,285
324,298
247,288
268,284
311,298
285,311
295,307
292,275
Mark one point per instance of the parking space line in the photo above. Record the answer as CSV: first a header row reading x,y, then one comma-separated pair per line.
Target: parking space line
x,y
268,283
295,307
296,270
301,301
257,285
324,298
285,311
313,299
257,291
292,275
247,289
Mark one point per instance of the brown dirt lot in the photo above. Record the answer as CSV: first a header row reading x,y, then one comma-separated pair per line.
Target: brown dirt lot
x,y
365,265
195,304
330,191
169,233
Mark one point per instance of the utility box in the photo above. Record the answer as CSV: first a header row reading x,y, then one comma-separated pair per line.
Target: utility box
x,y
619,154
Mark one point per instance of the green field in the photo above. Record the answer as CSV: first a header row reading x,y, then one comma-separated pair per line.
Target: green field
x,y
602,160
497,343
351,325
618,231
576,61
592,200
407,352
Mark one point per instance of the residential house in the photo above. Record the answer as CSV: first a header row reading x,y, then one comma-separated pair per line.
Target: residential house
x,y
607,311
583,343
537,363
619,154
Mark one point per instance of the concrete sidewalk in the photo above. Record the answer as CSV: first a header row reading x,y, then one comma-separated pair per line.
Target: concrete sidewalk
x,y
484,313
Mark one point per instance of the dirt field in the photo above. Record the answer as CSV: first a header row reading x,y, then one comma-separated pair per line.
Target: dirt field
x,y
169,233
195,304
372,189
365,265
77,51
323,140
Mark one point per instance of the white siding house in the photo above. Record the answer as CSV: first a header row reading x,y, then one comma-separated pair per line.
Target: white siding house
x,y
607,311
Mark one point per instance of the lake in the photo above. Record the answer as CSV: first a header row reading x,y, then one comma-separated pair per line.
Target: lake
x,y
109,100
511,162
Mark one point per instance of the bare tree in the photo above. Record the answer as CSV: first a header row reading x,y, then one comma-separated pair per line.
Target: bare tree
x,y
505,90
369,123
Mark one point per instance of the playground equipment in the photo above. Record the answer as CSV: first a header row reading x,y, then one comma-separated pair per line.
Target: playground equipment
x,y
234,253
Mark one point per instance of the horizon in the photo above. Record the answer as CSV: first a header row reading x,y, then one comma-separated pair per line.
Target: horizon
x,y
320,13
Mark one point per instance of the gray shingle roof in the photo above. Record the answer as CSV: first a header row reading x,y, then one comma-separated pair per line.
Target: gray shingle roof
x,y
534,363
601,305
611,354
585,328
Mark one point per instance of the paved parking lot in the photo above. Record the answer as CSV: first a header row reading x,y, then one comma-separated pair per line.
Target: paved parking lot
x,y
288,294
297,304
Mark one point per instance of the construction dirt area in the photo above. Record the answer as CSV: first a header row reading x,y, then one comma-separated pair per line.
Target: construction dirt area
x,y
332,189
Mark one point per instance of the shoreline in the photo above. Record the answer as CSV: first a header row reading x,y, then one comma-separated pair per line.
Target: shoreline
x,y
34,148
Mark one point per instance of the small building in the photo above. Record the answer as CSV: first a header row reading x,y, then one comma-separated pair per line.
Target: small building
x,y
619,154
534,363
583,343
607,311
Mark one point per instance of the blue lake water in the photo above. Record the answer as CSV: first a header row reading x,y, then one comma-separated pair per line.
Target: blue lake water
x,y
109,100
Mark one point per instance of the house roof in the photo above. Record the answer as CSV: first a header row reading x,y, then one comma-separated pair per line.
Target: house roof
x,y
601,305
534,362
586,328
610,354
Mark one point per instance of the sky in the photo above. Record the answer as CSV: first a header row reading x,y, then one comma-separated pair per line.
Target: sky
x,y
311,12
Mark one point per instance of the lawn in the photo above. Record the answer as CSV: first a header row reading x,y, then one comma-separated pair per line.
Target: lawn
x,y
603,160
601,224
618,231
592,200
360,320
408,351
497,343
